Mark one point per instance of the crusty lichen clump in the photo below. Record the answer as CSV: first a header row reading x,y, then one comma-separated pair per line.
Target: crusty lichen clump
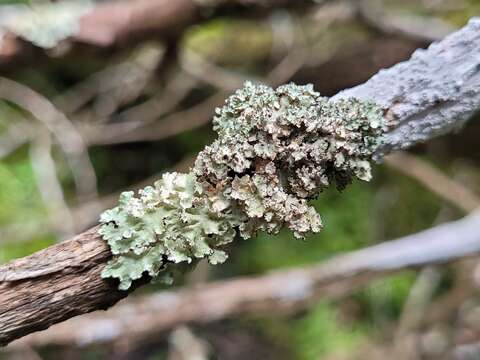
x,y
279,148
276,149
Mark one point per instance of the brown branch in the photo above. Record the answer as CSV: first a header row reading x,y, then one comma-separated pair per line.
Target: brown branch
x,y
113,23
53,285
64,280
280,292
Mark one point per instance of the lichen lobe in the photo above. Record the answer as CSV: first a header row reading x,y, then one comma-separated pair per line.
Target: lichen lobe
x,y
276,150
168,224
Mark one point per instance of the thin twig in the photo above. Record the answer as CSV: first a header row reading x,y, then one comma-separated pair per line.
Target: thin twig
x,y
129,83
413,311
450,190
17,134
209,73
184,345
49,185
199,114
65,132
418,28
141,115
110,79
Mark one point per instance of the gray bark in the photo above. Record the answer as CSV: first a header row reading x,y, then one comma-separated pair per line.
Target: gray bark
x,y
433,93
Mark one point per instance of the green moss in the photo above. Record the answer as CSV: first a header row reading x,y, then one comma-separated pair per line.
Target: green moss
x,y
316,334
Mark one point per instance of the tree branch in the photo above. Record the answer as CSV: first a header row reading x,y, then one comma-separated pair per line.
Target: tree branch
x,y
112,23
53,285
434,92
281,292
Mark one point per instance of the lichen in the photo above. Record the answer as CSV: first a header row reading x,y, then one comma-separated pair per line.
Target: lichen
x,y
43,24
276,150
169,223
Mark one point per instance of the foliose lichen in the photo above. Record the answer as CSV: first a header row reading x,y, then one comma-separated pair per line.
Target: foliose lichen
x,y
169,223
276,150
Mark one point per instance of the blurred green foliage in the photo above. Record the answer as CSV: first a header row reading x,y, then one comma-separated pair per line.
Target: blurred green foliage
x,y
238,43
21,209
320,333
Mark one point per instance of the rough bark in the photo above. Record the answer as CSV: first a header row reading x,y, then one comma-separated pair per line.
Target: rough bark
x,y
55,284
280,292
434,92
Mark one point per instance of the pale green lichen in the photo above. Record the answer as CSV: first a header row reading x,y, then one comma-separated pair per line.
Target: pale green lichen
x,y
43,24
169,223
276,149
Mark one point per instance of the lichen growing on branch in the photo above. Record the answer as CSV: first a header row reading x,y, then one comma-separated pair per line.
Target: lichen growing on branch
x,y
276,149
169,223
